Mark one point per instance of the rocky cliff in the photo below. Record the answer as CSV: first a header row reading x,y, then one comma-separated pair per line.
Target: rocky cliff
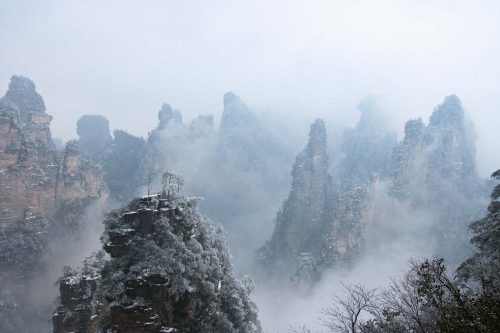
x,y
169,272
35,180
441,155
41,193
315,230
434,169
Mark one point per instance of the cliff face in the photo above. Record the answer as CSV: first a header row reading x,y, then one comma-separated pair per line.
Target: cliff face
x,y
314,230
169,272
80,182
29,165
301,222
40,191
35,180
434,169
435,163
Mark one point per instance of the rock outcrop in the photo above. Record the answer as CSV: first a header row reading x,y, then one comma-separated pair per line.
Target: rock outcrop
x,y
40,192
315,230
35,180
94,136
434,169
300,224
169,272
121,163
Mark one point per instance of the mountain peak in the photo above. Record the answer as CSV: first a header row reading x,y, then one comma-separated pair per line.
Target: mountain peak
x,y
22,94
450,112
317,137
166,114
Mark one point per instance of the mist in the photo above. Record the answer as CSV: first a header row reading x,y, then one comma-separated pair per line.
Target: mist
x,y
290,62
302,60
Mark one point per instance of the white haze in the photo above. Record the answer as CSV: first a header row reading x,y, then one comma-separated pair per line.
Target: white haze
x,y
300,59
291,60
396,235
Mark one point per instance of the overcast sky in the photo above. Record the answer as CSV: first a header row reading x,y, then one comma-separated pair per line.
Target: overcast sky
x,y
300,59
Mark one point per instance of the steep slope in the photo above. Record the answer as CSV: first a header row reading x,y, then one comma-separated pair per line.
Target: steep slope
x,y
300,223
434,169
314,230
43,196
36,182
169,272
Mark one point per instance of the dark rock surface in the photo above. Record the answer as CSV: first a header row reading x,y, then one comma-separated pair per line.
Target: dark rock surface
x,y
94,136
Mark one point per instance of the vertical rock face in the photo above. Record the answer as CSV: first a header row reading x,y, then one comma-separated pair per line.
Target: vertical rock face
x,y
29,162
80,182
301,221
23,96
314,231
408,157
35,180
437,161
434,169
367,148
121,163
452,156
119,156
39,189
94,136
343,241
169,272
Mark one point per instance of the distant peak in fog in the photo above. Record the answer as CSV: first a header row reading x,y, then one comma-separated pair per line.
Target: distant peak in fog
x,y
448,113
166,114
23,95
317,137
231,98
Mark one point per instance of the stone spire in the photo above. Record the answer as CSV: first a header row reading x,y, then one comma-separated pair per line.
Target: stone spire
x,y
22,95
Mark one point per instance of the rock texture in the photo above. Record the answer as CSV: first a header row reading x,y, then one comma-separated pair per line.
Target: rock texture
x,y
41,191
169,272
434,169
315,230
300,223
35,180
